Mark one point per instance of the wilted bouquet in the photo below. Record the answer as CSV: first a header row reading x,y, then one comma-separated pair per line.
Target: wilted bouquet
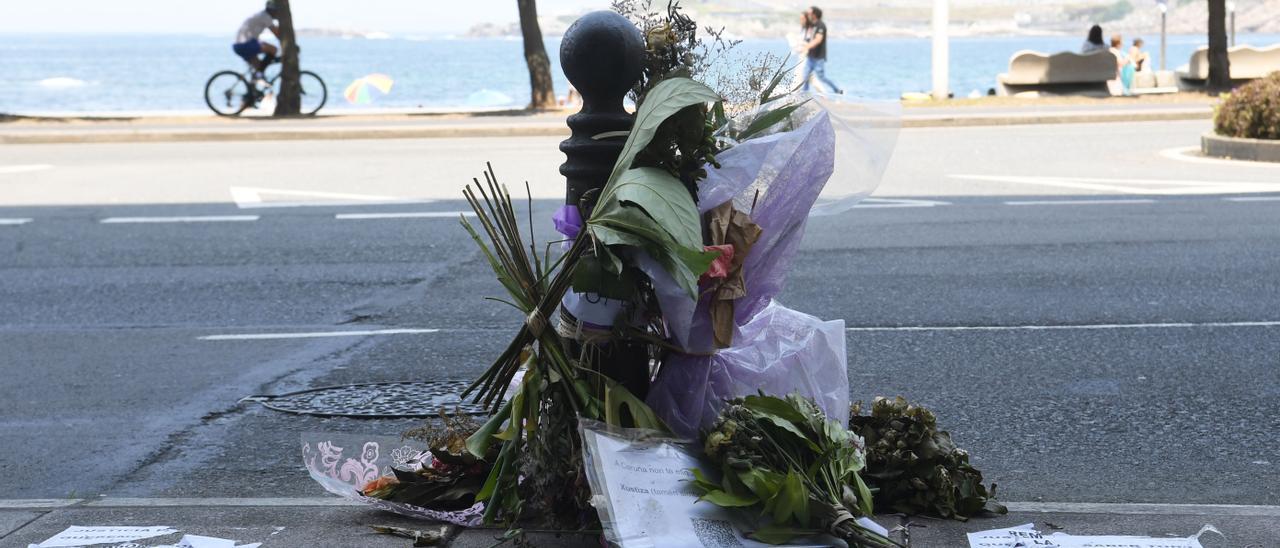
x,y
784,458
446,477
916,468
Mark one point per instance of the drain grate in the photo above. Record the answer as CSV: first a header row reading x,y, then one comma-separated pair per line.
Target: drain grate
x,y
375,400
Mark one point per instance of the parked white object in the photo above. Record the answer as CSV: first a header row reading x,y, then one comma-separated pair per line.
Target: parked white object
x,y
1247,63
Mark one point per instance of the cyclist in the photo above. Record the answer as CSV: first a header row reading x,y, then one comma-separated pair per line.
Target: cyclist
x,y
247,45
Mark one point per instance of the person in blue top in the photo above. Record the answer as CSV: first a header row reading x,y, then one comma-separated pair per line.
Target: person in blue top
x,y
816,47
247,45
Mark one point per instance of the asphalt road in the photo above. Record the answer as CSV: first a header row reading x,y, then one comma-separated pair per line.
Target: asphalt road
x,y
1102,325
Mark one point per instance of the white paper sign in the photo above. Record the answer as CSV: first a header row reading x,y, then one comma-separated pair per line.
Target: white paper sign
x,y
1109,541
1026,536
1022,536
198,541
77,535
650,500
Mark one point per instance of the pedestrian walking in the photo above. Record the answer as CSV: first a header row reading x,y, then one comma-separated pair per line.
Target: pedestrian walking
x,y
816,49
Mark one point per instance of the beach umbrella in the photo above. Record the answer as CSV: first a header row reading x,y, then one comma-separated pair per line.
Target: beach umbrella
x,y
360,91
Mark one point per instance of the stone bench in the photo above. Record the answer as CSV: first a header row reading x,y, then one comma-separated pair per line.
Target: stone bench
x,y
1061,73
1247,63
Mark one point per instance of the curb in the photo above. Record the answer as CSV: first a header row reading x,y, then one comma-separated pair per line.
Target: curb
x,y
142,136
961,120
536,130
1236,148
332,521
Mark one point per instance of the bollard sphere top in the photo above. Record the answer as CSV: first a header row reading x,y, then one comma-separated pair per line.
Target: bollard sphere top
x,y
602,54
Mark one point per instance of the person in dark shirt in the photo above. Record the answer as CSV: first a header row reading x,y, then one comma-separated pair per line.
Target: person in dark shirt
x,y
816,58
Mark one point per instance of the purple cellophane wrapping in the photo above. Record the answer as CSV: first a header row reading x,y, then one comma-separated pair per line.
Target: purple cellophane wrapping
x,y
775,349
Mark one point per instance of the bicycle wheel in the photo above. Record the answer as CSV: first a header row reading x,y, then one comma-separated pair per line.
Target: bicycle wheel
x,y
314,92
227,93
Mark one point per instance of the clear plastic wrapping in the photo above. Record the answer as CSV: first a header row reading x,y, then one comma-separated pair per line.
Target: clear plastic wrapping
x,y
345,463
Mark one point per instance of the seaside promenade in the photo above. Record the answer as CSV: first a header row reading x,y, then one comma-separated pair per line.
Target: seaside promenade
x,y
1088,304
406,124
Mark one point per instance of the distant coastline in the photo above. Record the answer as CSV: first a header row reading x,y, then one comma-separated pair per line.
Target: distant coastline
x,y
849,19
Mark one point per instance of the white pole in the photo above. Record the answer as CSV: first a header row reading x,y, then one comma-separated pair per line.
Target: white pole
x,y
940,50
1164,27
941,62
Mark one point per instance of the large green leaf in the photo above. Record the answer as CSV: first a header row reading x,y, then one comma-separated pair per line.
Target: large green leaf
x,y
795,500
651,209
662,197
774,406
663,101
647,207
762,482
620,403
516,420
478,443
631,227
783,414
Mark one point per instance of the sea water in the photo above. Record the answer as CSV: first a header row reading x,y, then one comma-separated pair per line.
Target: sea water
x,y
103,73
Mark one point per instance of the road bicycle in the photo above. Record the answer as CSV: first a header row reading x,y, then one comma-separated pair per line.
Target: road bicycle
x,y
230,93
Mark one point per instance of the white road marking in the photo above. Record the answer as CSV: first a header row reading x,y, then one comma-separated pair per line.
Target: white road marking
x,y
871,203
175,502
1254,199
1077,202
37,504
1167,187
251,198
1100,326
404,215
276,502
14,222
1191,154
1146,509
181,219
27,168
313,335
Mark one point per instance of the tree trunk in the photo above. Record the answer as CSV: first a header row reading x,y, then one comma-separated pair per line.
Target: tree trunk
x,y
542,91
1219,62
289,100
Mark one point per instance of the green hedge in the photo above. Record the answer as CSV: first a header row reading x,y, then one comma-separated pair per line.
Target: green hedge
x,y
1252,111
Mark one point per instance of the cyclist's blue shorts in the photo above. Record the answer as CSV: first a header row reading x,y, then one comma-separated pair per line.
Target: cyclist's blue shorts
x,y
248,50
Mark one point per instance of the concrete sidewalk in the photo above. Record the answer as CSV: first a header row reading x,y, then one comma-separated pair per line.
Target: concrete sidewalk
x,y
416,126
329,521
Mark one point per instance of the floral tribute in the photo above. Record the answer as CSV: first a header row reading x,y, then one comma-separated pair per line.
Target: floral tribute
x,y
693,232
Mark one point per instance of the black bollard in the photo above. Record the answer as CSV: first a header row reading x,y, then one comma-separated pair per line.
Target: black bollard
x,y
602,55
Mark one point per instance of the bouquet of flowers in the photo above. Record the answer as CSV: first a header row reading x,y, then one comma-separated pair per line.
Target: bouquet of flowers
x,y
915,467
693,231
784,458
